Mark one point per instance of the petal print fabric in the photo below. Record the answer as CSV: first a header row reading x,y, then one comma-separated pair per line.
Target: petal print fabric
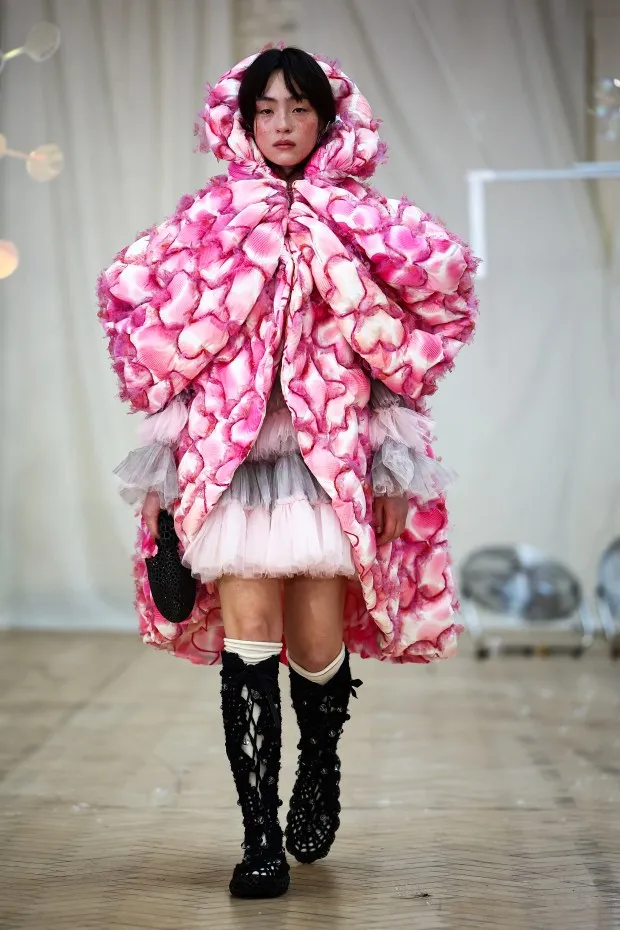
x,y
331,284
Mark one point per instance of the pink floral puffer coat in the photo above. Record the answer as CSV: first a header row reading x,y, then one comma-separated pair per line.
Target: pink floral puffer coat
x,y
346,286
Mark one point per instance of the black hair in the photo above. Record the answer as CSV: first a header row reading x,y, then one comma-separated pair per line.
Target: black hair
x,y
303,76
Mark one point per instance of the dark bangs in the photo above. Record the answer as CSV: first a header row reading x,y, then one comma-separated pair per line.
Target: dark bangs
x,y
303,76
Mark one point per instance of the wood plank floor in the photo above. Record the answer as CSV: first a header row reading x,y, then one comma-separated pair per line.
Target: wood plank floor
x,y
475,796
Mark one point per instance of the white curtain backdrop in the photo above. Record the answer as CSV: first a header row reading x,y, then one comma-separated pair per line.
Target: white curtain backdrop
x,y
529,418
120,97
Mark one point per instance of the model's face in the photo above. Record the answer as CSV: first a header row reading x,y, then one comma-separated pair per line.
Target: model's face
x,y
285,129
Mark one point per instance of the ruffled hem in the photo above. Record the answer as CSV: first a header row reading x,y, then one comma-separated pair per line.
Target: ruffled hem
x,y
293,538
165,426
275,472
274,520
402,439
265,484
277,437
150,468
402,425
397,470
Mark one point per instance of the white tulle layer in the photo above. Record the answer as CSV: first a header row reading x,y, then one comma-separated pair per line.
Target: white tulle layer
x,y
166,425
276,437
402,425
401,438
273,521
149,468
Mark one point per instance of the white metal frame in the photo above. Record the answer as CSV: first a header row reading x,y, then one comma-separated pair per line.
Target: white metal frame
x,y
515,636
477,181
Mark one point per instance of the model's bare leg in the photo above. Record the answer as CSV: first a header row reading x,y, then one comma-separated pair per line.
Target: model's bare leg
x,y
251,608
313,609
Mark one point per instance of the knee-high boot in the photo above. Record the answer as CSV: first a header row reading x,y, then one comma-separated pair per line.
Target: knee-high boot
x,y
314,813
252,727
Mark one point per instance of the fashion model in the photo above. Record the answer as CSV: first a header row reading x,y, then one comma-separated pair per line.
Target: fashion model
x,y
282,332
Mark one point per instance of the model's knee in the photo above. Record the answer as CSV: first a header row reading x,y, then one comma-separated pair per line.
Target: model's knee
x,y
251,609
257,628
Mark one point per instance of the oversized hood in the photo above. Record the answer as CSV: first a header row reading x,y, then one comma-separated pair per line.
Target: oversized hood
x,y
351,147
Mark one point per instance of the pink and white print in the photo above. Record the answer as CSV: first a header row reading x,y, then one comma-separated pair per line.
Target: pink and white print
x,y
343,285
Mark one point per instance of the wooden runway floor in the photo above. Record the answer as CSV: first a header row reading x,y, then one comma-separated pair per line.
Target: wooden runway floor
x,y
475,796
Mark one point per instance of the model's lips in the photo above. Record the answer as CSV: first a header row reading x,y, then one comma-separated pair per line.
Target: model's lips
x,y
284,145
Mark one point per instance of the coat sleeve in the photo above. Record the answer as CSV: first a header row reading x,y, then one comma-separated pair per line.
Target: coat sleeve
x,y
167,303
417,306
146,315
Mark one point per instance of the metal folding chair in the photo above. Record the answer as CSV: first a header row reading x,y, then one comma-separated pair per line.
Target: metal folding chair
x,y
608,596
516,600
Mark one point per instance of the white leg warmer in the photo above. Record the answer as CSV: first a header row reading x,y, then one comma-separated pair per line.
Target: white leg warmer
x,y
322,677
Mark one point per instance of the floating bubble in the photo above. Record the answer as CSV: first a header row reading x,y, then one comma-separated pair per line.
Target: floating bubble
x,y
45,163
43,40
9,258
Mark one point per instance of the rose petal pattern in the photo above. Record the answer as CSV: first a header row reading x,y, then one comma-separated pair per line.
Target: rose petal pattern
x,y
343,284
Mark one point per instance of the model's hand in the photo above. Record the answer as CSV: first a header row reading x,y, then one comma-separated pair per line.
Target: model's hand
x,y
390,517
150,512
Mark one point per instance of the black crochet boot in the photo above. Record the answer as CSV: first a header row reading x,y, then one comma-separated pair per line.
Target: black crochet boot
x,y
314,813
251,713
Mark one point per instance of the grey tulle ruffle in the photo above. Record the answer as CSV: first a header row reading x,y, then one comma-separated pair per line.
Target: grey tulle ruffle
x,y
397,469
149,468
264,484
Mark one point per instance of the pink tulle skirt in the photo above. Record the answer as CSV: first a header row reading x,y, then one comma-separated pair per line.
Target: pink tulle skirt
x,y
274,520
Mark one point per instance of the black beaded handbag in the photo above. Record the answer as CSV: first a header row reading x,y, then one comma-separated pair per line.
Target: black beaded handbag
x,y
173,587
